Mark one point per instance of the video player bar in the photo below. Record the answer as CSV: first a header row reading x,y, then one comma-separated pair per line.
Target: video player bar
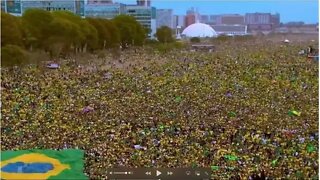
x,y
158,173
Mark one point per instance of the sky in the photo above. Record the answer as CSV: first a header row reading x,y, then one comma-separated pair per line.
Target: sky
x,y
290,10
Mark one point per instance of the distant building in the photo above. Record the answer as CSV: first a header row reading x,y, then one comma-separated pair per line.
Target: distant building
x,y
3,6
209,19
191,11
282,30
230,19
258,18
100,2
146,16
298,28
143,13
146,3
204,19
294,23
107,11
174,21
75,6
79,7
233,30
190,19
262,21
179,20
165,18
12,6
260,27
213,19
275,20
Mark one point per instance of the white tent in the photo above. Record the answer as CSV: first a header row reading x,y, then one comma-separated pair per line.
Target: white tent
x,y
53,66
199,30
286,41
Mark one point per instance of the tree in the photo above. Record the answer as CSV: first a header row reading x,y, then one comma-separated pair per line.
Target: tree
x,y
148,30
85,33
63,35
140,35
195,40
13,55
131,31
103,34
164,34
36,24
11,32
91,35
114,39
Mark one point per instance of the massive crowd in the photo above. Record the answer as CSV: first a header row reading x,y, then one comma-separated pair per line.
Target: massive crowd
x,y
244,111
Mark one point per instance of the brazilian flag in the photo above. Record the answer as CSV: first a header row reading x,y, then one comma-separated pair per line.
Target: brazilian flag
x,y
42,164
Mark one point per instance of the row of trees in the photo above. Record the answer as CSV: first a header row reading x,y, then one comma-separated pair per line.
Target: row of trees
x,y
62,32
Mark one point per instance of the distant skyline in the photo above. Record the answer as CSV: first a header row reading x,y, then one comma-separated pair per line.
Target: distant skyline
x,y
290,10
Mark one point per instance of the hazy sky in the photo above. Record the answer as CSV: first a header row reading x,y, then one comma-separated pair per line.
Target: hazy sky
x,y
290,10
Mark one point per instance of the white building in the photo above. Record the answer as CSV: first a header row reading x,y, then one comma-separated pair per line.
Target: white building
x,y
18,7
179,20
107,11
231,30
145,15
199,30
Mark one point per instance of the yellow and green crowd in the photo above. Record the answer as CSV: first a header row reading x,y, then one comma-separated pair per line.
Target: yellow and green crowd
x,y
245,111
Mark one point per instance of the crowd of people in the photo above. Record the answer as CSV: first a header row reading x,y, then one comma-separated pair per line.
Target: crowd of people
x,y
247,111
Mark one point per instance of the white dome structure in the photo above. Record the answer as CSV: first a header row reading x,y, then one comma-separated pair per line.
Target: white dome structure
x,y
199,30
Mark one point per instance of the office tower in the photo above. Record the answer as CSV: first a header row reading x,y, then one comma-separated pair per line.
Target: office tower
x,y
146,16
165,18
99,1
146,3
230,19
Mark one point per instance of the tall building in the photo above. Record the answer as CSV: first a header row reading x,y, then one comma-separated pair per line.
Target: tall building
x,y
190,11
213,19
79,7
204,19
192,16
275,20
179,20
262,21
75,6
3,6
190,19
295,23
107,11
99,1
12,6
258,18
230,19
146,16
146,3
165,18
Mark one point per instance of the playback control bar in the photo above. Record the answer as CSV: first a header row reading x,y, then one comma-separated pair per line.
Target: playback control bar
x,y
158,174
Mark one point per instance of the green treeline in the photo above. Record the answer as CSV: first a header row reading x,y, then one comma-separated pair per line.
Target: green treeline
x,y
62,33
